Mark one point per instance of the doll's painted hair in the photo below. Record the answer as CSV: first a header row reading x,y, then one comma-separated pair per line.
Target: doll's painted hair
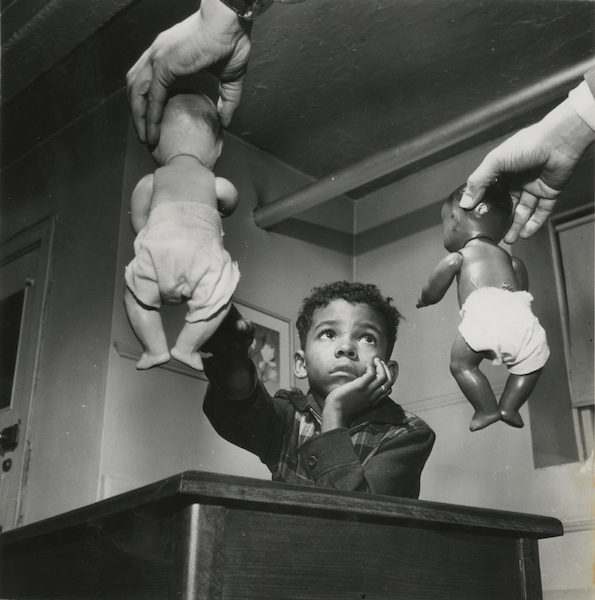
x,y
497,214
211,117
354,293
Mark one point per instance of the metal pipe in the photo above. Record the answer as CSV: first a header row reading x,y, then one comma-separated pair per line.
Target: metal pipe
x,y
406,153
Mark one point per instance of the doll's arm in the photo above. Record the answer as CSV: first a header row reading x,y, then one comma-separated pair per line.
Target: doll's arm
x,y
227,196
140,203
520,271
440,279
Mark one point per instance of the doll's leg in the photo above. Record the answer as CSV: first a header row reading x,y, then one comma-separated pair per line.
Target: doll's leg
x,y
193,336
517,391
464,366
148,328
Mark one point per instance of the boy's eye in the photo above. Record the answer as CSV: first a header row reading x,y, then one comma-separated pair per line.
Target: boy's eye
x,y
327,335
369,339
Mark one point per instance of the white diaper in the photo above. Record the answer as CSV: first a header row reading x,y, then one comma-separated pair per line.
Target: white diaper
x,y
180,257
502,322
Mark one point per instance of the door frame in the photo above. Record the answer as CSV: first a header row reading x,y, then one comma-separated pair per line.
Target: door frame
x,y
41,236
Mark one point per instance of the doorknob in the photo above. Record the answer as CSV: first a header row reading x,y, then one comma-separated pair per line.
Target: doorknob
x,y
9,437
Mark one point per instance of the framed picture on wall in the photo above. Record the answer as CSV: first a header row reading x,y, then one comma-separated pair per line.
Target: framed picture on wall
x,y
272,348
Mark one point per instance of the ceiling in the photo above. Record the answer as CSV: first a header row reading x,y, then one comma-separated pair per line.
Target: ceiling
x,y
331,84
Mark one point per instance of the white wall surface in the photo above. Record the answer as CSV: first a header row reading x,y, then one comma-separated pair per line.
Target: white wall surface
x,y
154,424
491,468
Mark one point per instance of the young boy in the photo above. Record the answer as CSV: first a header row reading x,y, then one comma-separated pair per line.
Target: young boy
x,y
346,433
179,254
496,308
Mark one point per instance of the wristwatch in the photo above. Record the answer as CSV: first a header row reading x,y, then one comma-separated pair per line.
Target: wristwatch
x,y
248,9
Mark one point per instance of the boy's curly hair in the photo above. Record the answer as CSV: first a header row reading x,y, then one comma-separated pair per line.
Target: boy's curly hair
x,y
354,293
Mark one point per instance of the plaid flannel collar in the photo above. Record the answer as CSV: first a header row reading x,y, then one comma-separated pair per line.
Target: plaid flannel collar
x,y
386,411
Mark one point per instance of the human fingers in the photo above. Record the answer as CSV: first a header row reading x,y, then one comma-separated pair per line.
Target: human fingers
x,y
524,206
156,101
539,217
383,380
230,95
517,154
479,180
138,80
531,211
369,375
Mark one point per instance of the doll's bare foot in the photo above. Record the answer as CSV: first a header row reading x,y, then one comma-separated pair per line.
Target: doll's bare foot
x,y
148,360
512,418
482,419
192,359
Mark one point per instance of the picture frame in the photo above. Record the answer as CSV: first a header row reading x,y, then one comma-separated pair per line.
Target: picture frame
x,y
272,348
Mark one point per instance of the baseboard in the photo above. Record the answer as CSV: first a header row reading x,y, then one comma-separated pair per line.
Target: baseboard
x,y
444,400
583,594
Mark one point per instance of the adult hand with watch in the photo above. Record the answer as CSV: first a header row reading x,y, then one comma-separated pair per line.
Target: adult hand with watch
x,y
215,38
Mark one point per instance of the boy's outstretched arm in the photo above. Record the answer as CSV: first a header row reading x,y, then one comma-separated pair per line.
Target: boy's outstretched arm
x,y
440,279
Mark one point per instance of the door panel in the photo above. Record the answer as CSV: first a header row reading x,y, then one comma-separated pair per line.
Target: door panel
x,y
24,266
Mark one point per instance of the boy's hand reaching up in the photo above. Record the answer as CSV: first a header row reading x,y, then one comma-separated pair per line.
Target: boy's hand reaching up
x,y
232,338
231,366
349,399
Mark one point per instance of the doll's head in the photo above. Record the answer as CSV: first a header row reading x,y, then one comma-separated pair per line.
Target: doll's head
x,y
490,219
190,126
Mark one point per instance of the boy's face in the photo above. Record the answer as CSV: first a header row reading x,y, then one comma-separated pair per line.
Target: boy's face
x,y
342,340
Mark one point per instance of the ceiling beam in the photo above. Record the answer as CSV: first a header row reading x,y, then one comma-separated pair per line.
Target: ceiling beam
x,y
412,151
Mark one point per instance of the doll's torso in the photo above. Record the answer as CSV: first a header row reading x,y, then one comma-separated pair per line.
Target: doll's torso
x,y
184,179
484,265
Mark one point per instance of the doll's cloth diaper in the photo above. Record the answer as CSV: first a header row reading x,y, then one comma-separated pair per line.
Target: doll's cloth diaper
x,y
501,321
180,258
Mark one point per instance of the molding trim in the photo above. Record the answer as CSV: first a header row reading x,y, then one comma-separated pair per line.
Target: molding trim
x,y
574,525
445,400
173,365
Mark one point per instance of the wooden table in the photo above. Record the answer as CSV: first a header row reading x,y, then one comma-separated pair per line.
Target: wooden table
x,y
207,536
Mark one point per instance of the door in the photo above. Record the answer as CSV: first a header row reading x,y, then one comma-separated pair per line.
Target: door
x,y
24,265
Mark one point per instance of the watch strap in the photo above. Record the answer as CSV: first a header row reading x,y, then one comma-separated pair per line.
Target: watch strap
x,y
248,9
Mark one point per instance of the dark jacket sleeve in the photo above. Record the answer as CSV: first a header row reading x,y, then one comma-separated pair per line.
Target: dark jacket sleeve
x,y
394,469
257,423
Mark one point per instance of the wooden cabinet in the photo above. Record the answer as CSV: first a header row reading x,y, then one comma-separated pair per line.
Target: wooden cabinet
x,y
207,536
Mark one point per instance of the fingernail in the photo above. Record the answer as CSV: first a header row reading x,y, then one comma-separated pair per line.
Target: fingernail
x,y
466,201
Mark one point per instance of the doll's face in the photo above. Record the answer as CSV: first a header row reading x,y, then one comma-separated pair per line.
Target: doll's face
x,y
456,225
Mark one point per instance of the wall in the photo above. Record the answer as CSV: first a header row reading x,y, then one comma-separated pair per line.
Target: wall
x,y
76,175
492,468
154,425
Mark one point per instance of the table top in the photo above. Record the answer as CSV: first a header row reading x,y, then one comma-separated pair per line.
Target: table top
x,y
244,493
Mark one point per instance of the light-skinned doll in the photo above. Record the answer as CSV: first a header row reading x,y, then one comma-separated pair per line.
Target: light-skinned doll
x,y
497,320
179,255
